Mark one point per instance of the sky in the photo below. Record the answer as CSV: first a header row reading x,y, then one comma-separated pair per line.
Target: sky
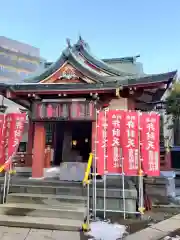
x,y
116,28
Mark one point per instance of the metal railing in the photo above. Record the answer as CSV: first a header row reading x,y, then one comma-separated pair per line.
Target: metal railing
x,y
7,180
86,183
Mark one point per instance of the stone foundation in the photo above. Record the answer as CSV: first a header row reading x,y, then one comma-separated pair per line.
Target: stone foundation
x,y
114,195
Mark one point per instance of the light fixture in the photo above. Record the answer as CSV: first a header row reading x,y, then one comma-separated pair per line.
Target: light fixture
x,y
74,142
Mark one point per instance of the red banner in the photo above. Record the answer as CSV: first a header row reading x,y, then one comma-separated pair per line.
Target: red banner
x,y
130,144
14,127
115,139
150,150
101,151
2,128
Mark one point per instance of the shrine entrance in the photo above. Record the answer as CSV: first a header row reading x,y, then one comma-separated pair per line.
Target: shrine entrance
x,y
72,141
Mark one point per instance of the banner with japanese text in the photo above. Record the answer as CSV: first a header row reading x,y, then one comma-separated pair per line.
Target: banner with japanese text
x,y
150,140
2,128
130,144
101,151
115,139
14,126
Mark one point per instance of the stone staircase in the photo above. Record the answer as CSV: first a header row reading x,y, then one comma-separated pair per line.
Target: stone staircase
x,y
44,204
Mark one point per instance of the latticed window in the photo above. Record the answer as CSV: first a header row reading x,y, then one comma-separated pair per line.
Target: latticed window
x,y
49,133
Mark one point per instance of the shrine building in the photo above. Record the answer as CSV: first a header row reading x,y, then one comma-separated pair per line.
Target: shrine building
x,y
63,99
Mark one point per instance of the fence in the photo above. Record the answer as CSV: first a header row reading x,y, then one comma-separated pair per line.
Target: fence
x,y
119,133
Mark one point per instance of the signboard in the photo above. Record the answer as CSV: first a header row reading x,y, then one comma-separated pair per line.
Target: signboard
x,y
127,142
101,143
115,140
2,128
14,126
130,145
150,138
63,111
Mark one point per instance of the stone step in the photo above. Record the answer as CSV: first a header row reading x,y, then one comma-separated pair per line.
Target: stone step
x,y
75,191
41,182
111,181
63,190
40,223
46,199
63,211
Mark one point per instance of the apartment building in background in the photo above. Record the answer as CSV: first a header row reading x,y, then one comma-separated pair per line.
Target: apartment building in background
x,y
17,60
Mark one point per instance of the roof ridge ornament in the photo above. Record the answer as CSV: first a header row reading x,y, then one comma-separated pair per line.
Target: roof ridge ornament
x,y
80,38
81,41
68,41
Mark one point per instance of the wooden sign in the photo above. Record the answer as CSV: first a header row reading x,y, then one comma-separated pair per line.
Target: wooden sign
x,y
63,111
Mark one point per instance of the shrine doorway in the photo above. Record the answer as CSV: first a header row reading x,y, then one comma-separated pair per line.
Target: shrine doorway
x,y
72,141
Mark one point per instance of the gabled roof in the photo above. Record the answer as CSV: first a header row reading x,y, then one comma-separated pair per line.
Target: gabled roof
x,y
116,78
72,55
82,47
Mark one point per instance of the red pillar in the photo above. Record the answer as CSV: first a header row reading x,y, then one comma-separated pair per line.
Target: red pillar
x,y
28,160
30,136
38,150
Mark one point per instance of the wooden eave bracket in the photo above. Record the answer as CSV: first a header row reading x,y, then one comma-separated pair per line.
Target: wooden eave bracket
x,y
10,94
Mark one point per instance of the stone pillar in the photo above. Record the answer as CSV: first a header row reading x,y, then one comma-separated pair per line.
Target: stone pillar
x,y
168,138
120,103
38,150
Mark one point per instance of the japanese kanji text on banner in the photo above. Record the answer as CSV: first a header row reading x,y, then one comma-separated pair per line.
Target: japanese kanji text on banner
x,y
14,127
115,139
150,150
101,142
131,144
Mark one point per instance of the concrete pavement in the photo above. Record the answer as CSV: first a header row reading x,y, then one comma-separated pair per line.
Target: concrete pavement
x,y
12,233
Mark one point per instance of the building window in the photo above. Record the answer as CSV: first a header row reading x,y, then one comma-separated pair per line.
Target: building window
x,y
22,147
23,74
49,133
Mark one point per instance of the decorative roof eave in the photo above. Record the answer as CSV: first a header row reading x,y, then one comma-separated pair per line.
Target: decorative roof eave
x,y
147,102
46,88
81,47
143,81
151,81
66,56
122,59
